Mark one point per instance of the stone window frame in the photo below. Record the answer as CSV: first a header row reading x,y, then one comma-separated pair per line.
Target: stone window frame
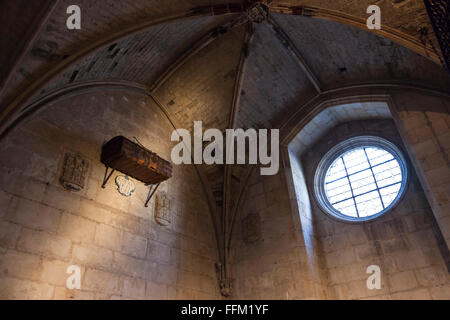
x,y
347,145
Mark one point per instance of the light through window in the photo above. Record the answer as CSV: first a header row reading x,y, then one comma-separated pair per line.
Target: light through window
x,y
361,179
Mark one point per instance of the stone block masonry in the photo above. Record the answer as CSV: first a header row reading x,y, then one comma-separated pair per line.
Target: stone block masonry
x,y
305,254
424,124
406,242
121,251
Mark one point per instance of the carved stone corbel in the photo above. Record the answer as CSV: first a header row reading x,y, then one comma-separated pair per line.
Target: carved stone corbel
x,y
225,284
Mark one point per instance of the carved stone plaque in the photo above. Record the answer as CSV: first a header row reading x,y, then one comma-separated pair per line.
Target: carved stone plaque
x,y
125,185
162,209
74,171
251,228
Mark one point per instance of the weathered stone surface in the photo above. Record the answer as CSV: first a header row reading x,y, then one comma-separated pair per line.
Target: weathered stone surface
x,y
9,233
40,242
20,265
54,272
35,215
101,281
11,288
92,256
134,245
76,228
108,237
44,229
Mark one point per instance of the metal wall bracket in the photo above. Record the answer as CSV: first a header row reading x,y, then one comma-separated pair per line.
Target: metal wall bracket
x,y
107,176
151,193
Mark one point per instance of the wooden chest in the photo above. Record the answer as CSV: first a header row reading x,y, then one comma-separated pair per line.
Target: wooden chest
x,y
130,158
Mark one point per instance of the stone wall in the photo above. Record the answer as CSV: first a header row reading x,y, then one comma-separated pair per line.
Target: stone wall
x,y
424,123
279,264
405,243
122,252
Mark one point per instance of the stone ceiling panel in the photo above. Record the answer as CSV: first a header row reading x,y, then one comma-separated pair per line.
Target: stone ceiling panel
x,y
340,54
273,81
99,19
203,88
141,58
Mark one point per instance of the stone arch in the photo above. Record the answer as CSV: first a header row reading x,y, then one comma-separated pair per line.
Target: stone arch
x,y
420,115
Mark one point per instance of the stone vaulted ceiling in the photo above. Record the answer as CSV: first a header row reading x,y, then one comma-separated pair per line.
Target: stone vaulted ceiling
x,y
137,40
228,63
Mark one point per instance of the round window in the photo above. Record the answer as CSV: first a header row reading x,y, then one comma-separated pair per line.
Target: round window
x,y
360,178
